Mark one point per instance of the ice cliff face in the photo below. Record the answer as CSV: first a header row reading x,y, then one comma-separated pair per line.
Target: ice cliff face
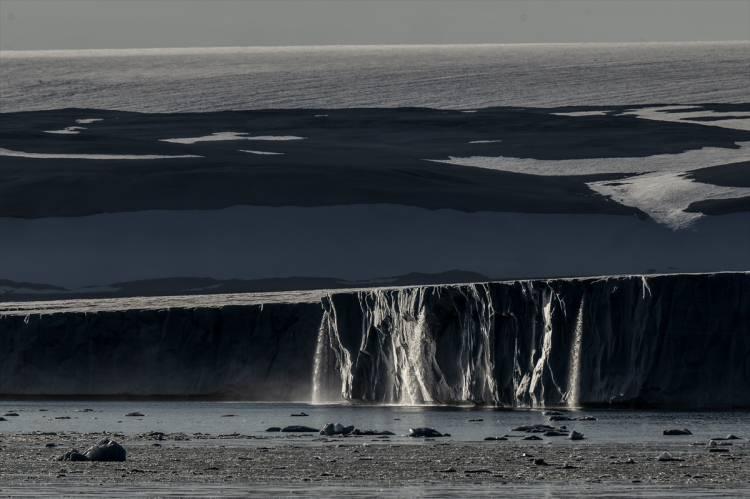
x,y
675,341
256,352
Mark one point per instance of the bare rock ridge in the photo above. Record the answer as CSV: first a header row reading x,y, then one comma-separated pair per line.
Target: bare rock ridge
x,y
671,341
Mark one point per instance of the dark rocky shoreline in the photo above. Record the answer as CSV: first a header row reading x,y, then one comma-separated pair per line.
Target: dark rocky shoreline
x,y
232,463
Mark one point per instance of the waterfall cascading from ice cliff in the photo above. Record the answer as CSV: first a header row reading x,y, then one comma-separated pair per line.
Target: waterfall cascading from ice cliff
x,y
400,348
671,341
572,395
528,343
429,345
332,362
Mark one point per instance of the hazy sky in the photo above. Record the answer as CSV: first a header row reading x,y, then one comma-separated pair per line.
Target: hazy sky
x,y
68,24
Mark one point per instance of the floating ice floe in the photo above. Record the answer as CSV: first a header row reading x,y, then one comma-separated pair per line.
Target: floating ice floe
x,y
262,153
38,155
739,120
665,196
87,121
71,130
226,136
688,160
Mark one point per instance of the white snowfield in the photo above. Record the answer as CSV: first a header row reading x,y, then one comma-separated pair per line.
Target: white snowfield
x,y
39,155
358,242
665,196
737,120
680,162
227,136
659,189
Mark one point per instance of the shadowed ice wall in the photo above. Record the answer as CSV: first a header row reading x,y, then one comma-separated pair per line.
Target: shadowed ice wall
x,y
673,341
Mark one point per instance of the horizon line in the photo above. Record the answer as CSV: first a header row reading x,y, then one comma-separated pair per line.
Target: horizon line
x,y
93,52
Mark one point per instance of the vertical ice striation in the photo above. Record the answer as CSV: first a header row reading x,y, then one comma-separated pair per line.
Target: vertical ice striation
x,y
398,348
416,346
536,387
476,354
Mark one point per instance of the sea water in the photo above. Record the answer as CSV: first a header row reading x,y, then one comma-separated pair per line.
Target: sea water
x,y
252,419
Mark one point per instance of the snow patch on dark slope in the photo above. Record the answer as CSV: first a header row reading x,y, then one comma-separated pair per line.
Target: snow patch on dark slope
x,y
594,193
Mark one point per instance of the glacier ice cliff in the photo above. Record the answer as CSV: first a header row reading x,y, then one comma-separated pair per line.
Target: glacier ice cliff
x,y
668,341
